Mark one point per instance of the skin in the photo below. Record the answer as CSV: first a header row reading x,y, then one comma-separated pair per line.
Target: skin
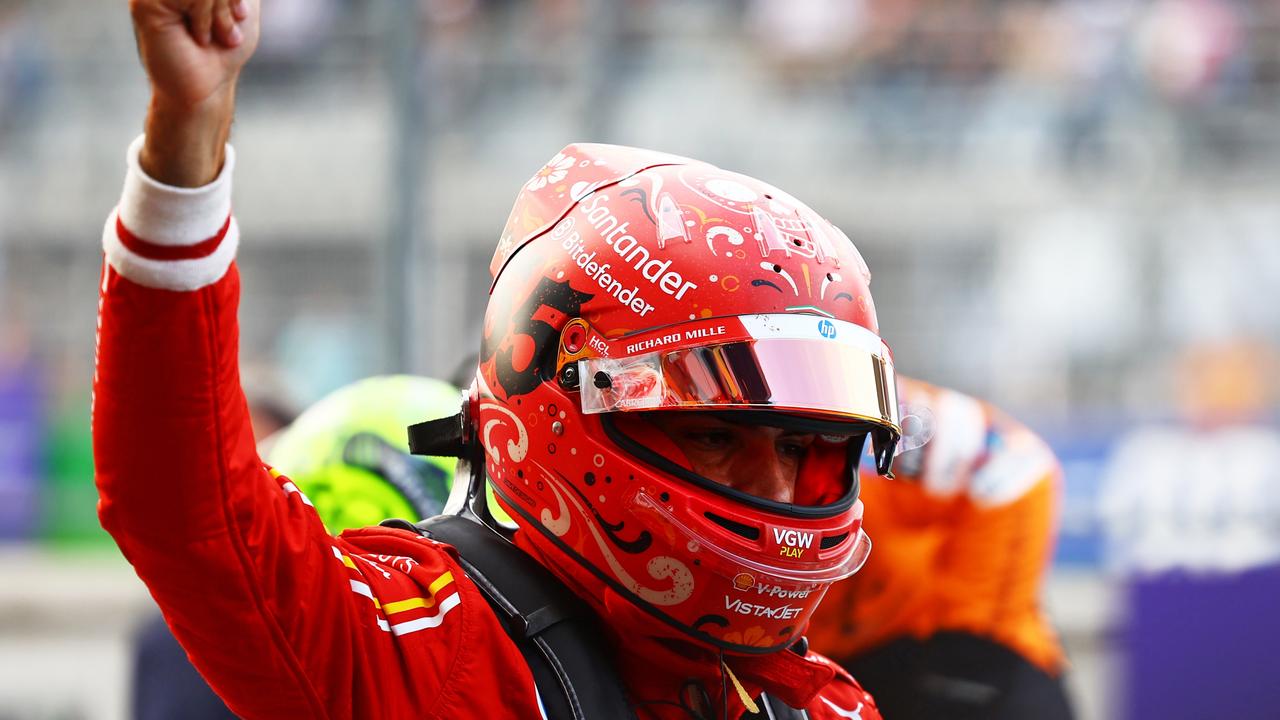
x,y
193,52
761,461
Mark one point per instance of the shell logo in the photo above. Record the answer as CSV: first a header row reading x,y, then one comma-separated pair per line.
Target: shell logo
x,y
743,581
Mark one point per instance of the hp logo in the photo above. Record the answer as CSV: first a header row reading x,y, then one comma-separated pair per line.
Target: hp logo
x,y
827,329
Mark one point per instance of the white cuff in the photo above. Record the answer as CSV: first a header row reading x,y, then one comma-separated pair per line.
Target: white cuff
x,y
170,237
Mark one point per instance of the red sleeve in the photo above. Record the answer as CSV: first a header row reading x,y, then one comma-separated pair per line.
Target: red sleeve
x,y
282,619
182,490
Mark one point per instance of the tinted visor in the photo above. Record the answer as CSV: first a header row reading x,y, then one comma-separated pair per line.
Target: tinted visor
x,y
816,472
842,381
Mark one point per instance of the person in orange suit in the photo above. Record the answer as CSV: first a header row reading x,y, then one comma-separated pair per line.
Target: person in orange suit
x,y
945,619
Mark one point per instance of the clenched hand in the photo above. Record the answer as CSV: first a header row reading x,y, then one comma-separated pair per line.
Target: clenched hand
x,y
192,51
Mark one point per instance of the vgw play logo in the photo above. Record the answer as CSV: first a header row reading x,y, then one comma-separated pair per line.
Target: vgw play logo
x,y
792,543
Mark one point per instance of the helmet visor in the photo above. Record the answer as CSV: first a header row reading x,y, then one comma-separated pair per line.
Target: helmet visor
x,y
792,364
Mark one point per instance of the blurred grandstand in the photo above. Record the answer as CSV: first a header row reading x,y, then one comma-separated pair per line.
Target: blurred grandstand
x,y
1059,200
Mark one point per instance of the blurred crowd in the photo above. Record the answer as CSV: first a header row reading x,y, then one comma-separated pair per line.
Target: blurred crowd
x,y
973,70
1077,82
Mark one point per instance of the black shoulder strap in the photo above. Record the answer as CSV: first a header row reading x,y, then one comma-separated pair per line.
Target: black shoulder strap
x,y
771,708
556,632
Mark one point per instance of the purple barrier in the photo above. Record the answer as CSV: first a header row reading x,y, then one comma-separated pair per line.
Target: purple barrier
x,y
1203,647
21,425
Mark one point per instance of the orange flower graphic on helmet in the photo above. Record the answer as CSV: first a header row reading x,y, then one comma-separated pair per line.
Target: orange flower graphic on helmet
x,y
754,636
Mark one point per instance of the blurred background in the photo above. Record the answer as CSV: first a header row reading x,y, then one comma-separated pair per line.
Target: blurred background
x,y
1070,208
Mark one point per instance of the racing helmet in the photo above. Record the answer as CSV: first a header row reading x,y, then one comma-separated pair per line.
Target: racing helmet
x,y
629,283
348,453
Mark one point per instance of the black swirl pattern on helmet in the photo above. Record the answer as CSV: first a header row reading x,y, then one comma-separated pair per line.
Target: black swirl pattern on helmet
x,y
550,300
712,619
612,530
642,197
765,283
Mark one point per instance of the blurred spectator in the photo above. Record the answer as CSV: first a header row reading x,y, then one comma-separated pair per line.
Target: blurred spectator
x,y
945,620
1263,48
294,33
1098,82
452,60
1182,45
1014,123
806,40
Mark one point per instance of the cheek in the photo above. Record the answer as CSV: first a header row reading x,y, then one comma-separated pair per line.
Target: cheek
x,y
712,465
791,466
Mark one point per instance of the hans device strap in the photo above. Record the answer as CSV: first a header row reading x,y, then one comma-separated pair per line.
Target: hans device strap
x,y
555,631
771,708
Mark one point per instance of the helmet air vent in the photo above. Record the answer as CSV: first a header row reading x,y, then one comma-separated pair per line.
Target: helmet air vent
x,y
831,541
747,531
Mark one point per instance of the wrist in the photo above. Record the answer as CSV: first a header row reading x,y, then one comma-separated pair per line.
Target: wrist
x,y
185,143
174,238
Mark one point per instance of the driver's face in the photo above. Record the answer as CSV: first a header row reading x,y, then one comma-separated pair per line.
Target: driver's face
x,y
758,460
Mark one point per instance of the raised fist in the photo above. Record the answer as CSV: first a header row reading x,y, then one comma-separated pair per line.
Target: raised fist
x,y
193,50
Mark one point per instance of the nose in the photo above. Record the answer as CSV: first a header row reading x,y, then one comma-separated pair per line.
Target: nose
x,y
761,472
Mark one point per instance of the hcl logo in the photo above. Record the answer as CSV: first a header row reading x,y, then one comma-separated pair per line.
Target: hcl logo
x,y
827,329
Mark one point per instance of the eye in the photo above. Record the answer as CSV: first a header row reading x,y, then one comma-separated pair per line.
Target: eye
x,y
794,446
710,438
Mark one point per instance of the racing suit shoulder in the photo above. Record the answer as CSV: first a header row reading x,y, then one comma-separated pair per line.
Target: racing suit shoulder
x,y
418,592
281,618
964,537
977,451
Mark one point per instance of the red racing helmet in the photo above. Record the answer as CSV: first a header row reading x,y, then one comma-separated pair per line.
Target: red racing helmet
x,y
627,283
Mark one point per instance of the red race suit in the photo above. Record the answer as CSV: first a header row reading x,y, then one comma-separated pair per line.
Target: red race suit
x,y
282,619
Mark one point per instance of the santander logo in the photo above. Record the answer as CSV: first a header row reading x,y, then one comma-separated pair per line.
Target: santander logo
x,y
630,251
